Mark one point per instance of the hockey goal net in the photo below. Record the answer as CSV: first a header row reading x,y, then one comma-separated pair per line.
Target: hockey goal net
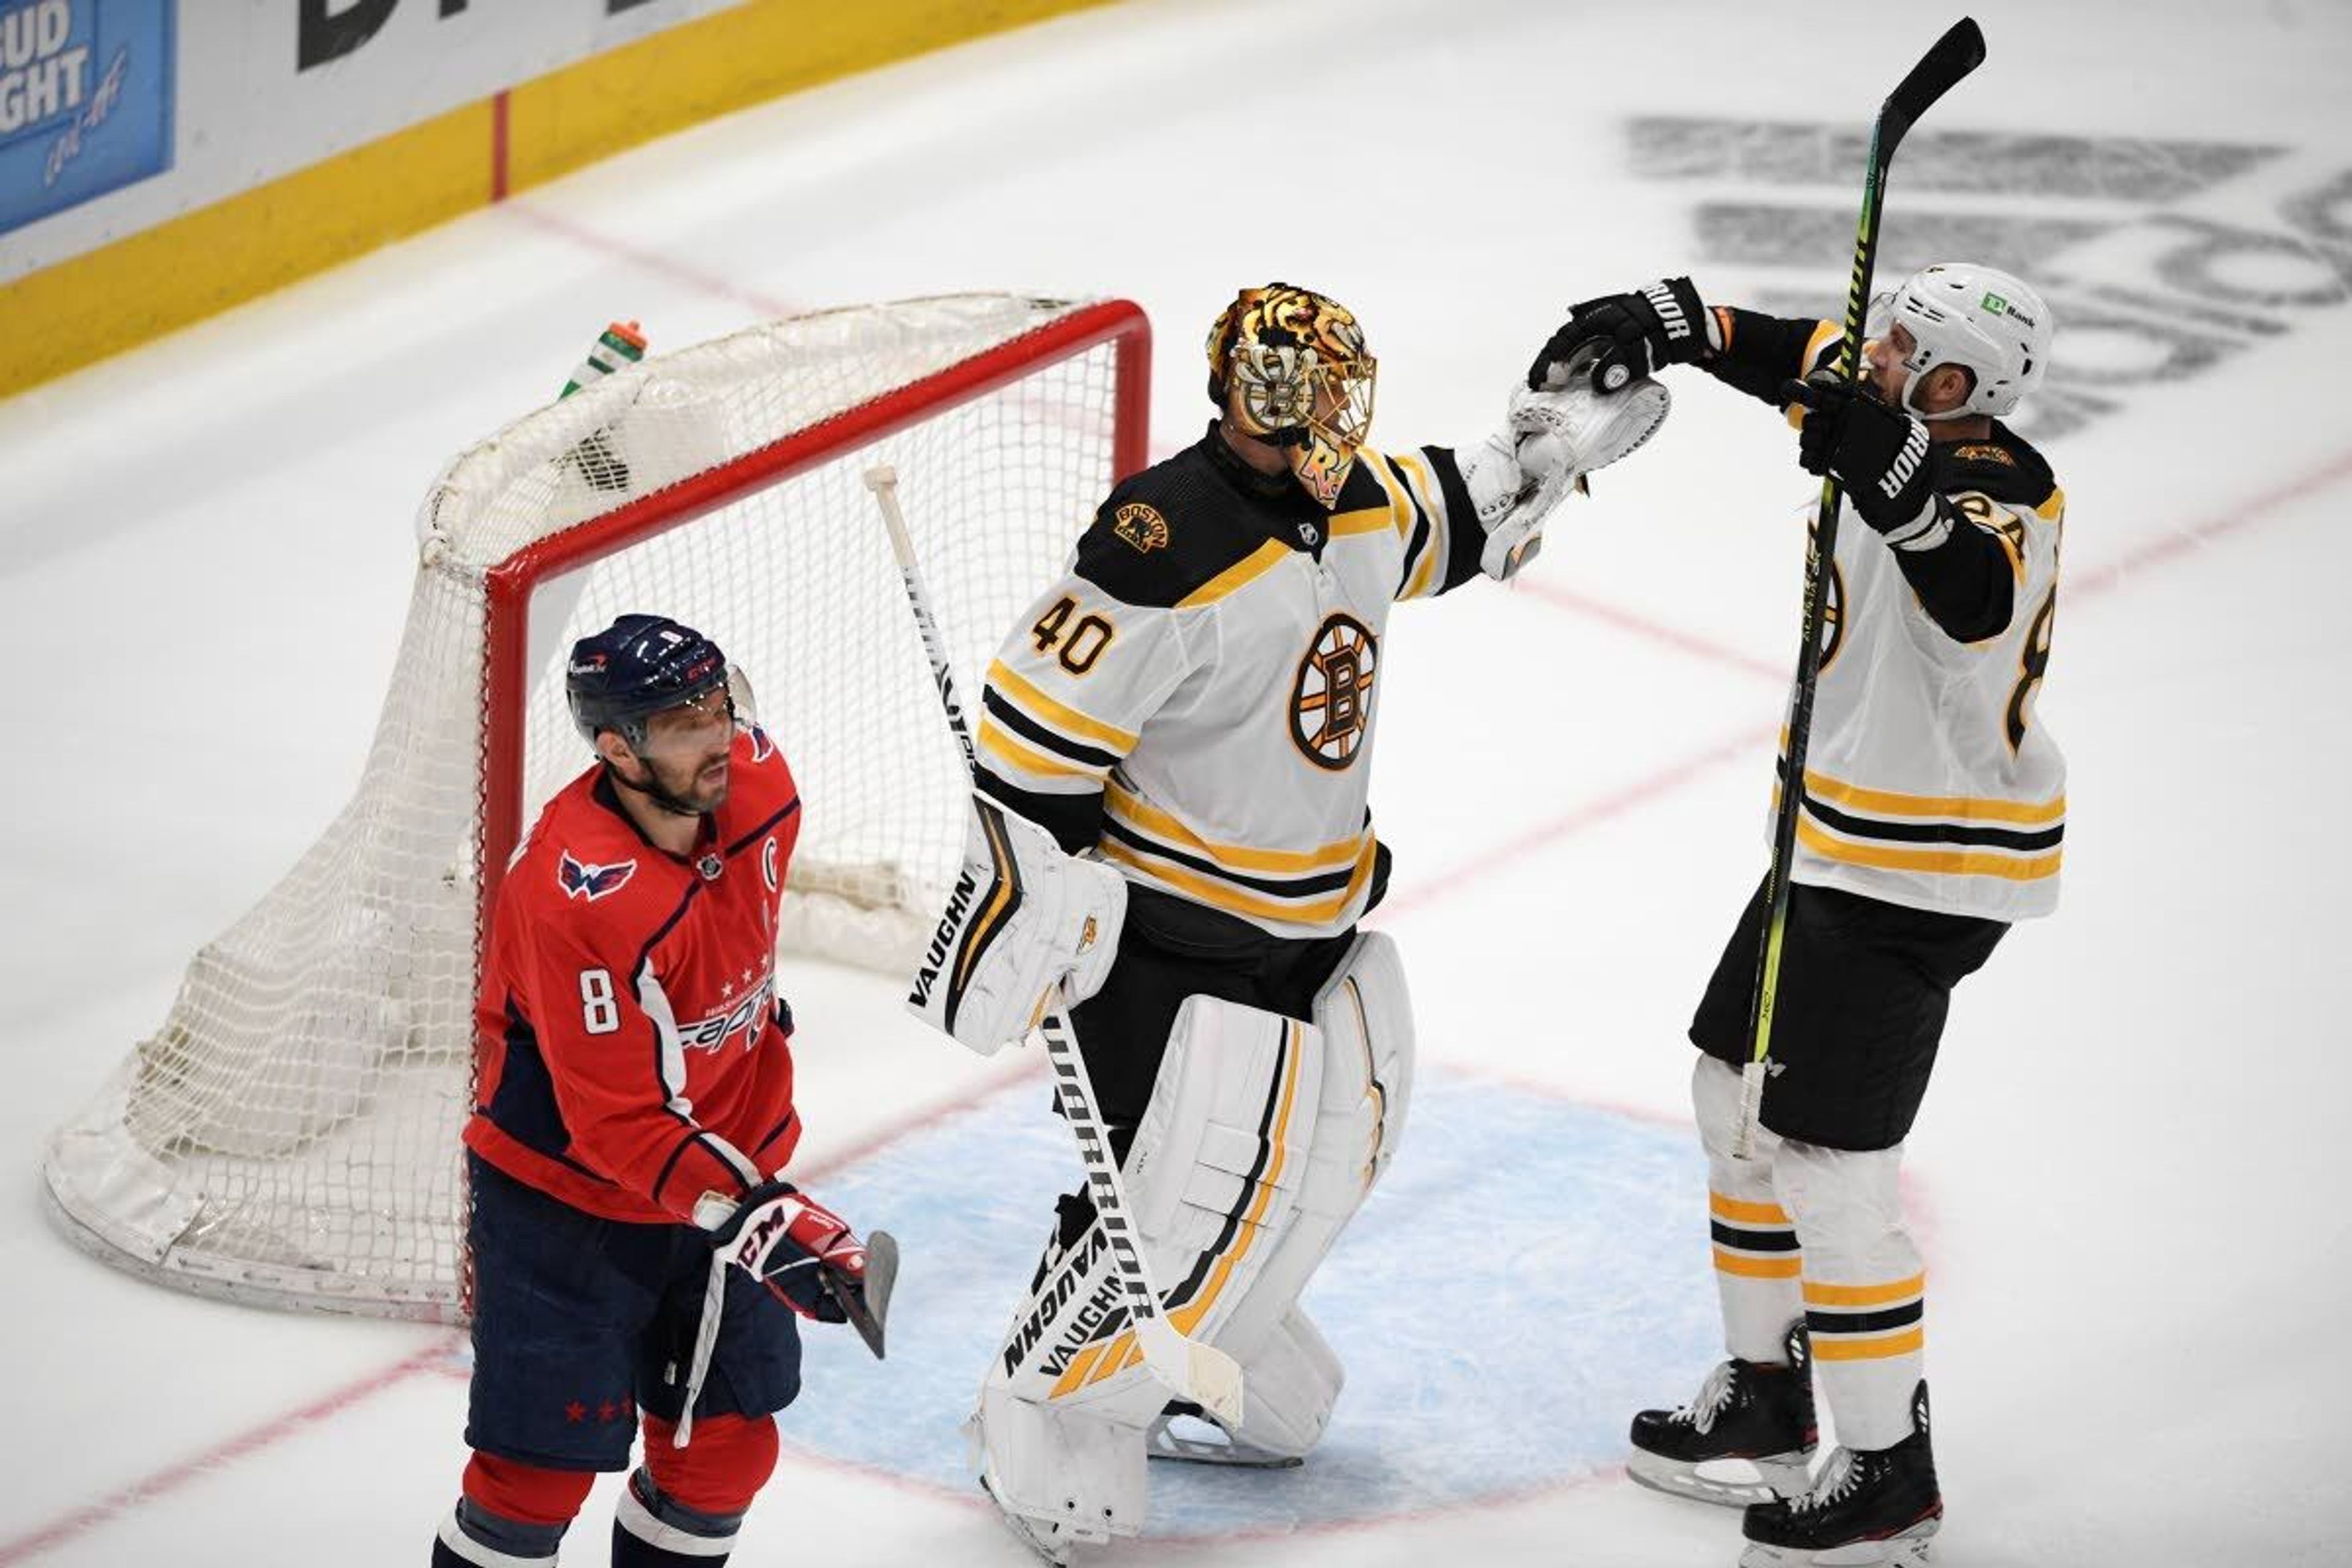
x,y
289,1136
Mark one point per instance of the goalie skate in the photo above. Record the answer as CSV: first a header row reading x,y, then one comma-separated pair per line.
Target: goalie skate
x,y
1166,1441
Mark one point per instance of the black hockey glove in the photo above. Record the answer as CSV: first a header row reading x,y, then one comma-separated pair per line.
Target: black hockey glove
x,y
1636,335
1879,453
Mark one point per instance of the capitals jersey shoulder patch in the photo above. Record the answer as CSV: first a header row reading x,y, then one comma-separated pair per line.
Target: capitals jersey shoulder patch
x,y
582,879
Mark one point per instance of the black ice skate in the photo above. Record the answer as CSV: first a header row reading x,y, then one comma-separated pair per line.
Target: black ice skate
x,y
1747,1437
1871,1508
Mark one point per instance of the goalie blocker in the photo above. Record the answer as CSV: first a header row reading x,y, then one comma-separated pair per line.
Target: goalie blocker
x,y
1261,1136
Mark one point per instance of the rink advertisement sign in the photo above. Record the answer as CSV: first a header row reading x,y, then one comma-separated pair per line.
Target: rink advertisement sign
x,y
85,101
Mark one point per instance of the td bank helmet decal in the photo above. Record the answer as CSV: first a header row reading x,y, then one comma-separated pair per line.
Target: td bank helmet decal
x,y
1331,702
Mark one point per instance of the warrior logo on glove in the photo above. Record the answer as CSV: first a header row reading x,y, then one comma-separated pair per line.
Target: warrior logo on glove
x,y
1289,366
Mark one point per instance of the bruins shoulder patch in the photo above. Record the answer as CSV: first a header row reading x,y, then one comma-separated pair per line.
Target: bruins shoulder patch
x,y
1141,526
1984,452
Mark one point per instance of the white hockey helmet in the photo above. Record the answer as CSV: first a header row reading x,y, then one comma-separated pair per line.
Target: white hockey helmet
x,y
1959,313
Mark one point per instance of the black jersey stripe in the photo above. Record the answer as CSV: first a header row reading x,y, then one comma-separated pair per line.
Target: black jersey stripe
x,y
1934,832
745,842
1029,730
1281,887
1421,528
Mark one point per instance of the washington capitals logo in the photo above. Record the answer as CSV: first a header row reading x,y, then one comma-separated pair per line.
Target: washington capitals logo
x,y
762,748
592,882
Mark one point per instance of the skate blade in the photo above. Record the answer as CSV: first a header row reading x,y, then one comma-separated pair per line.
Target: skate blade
x,y
1727,1483
1908,1550
1163,1444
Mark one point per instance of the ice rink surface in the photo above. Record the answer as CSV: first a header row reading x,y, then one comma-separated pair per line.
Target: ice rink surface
x,y
2138,1255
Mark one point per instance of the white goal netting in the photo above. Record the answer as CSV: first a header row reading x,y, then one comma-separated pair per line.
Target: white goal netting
x,y
289,1136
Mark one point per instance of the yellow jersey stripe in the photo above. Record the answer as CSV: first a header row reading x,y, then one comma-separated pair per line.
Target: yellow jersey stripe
x,y
996,740
1944,862
1817,1295
1837,1348
1241,572
1055,715
1237,900
1366,520
1745,1212
1758,1267
1889,802
1133,812
2053,509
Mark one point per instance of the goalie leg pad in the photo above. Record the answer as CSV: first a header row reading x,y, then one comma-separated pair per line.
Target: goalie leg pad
x,y
1364,1014
1076,1474
1023,917
1212,1178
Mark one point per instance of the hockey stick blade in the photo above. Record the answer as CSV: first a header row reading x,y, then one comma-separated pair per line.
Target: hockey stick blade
x,y
869,1310
1201,1373
1955,55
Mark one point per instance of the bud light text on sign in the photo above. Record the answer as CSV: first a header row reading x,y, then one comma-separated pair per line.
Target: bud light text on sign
x,y
86,101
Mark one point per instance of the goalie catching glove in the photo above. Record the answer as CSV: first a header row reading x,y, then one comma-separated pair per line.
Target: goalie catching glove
x,y
1550,441
805,1255
1024,919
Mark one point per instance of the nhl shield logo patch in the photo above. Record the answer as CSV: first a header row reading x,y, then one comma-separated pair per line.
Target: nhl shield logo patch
x,y
1331,700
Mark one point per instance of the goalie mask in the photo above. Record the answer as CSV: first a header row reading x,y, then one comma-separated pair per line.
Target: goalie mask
x,y
1289,366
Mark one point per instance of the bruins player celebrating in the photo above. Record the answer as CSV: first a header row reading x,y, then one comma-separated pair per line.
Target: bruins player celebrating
x,y
1176,742
1932,810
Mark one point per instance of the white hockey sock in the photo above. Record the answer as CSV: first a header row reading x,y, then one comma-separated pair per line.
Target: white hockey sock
x,y
1757,1260
1864,1286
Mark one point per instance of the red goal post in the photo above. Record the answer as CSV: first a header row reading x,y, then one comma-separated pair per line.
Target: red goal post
x,y
288,1135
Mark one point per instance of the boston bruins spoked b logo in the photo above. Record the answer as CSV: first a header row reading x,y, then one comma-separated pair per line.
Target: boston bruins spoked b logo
x,y
1331,703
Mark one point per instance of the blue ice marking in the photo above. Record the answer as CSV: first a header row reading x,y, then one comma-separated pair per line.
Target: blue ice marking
x,y
1530,1272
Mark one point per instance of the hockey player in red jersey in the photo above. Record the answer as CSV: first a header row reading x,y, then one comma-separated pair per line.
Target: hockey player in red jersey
x,y
1931,816
633,1115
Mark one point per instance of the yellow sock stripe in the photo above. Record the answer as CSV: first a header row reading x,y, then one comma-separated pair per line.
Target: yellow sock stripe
x,y
1891,1292
1787,1267
1742,1211
1884,1348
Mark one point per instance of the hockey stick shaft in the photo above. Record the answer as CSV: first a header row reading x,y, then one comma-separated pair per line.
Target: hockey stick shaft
x,y
1199,1373
1960,51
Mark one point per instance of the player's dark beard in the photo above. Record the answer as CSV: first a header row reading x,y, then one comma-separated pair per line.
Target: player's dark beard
x,y
664,798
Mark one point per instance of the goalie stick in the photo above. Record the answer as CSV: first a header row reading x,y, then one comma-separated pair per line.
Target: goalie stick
x,y
1960,51
1199,1373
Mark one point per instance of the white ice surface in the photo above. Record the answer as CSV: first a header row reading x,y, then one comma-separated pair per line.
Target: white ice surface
x,y
2141,1271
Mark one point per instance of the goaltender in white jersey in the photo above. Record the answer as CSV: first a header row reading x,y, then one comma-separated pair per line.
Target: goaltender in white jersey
x,y
1174,756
